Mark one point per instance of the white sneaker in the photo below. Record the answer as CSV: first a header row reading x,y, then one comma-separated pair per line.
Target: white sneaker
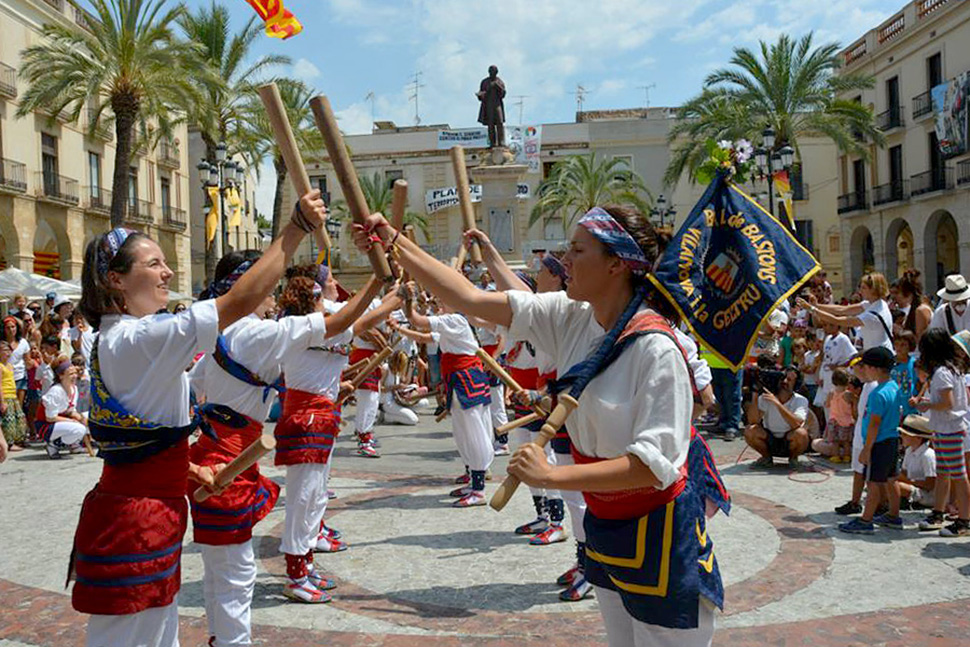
x,y
501,449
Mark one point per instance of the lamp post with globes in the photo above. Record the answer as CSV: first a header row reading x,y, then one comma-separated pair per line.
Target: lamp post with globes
x,y
224,174
770,160
661,211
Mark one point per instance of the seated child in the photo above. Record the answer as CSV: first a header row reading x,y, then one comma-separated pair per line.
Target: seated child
x,y
918,476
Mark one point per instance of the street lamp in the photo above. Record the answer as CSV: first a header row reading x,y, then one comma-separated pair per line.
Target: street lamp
x,y
662,211
770,160
224,174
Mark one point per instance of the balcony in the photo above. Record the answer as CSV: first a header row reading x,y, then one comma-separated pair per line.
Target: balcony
x,y
890,192
174,218
57,4
81,18
922,105
13,176
963,172
854,201
57,188
856,52
139,212
893,28
892,118
98,201
924,7
103,131
168,155
939,179
8,81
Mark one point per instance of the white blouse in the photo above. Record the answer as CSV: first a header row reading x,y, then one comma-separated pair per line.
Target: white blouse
x,y
57,402
456,334
640,405
261,345
143,359
317,370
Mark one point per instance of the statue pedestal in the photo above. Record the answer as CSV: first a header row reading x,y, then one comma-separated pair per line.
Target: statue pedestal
x,y
499,203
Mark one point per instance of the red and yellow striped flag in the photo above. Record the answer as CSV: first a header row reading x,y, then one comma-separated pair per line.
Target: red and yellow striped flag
x,y
280,23
783,186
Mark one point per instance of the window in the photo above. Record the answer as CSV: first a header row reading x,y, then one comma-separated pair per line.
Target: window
x,y
797,183
859,178
321,183
391,176
805,234
934,71
896,170
625,162
133,186
48,148
835,245
165,196
94,175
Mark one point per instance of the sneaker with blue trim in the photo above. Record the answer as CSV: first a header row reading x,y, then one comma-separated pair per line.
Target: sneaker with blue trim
x,y
857,527
580,590
889,521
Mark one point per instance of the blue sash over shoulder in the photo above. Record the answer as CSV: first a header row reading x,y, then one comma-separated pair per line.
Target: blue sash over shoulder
x,y
123,437
240,372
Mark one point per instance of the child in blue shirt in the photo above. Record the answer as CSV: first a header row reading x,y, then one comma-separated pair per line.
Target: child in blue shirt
x,y
904,373
880,453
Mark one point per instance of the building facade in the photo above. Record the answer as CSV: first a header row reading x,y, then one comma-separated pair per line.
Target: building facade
x,y
55,180
906,206
637,136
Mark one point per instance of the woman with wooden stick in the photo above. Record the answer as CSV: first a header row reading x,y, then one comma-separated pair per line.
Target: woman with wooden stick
x,y
128,543
649,556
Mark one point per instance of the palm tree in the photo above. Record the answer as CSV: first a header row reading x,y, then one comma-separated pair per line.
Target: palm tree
x,y
792,87
578,183
220,116
379,196
256,134
130,61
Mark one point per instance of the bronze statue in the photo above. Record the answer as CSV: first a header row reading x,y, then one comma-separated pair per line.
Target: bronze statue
x,y
491,92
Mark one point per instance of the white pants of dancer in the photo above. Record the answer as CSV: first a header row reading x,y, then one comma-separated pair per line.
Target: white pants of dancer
x,y
473,435
306,501
523,436
367,404
497,408
575,502
395,414
68,433
228,582
622,630
157,627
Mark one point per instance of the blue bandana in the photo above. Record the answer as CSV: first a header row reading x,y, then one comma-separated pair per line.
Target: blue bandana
x,y
110,244
609,232
554,265
220,287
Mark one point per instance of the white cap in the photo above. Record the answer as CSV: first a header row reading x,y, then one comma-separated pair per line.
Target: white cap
x,y
59,301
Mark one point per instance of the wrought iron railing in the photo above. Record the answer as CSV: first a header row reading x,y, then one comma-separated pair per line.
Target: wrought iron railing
x,y
57,187
892,118
889,192
99,200
168,154
13,175
938,179
922,104
852,202
174,218
8,81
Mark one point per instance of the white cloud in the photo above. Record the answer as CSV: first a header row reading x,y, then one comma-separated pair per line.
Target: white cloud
x,y
304,70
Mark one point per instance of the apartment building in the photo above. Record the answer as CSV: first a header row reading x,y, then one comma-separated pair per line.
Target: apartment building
x,y
55,179
907,204
637,136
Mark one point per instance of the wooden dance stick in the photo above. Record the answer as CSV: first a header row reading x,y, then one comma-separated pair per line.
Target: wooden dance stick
x,y
459,260
409,234
286,142
87,445
465,200
519,422
347,177
492,365
399,203
372,363
246,459
356,366
553,423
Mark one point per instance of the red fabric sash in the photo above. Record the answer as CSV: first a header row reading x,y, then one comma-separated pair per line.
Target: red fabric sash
x,y
628,504
307,428
490,349
373,379
163,475
452,363
228,518
527,378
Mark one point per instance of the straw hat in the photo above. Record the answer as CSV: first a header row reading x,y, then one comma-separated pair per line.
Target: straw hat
x,y
955,289
917,426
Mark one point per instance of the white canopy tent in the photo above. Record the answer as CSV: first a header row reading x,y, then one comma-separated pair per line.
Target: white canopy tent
x,y
34,286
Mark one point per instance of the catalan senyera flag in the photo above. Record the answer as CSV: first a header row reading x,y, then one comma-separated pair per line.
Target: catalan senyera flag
x,y
783,184
728,267
280,23
235,204
212,218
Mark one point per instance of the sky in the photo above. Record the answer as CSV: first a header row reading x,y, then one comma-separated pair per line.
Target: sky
x,y
364,54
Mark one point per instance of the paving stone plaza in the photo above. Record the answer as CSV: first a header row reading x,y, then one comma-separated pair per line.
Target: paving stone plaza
x,y
421,573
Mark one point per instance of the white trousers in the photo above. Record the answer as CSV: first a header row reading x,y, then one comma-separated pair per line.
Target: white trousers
x,y
68,433
497,407
228,582
622,630
157,627
523,436
306,492
395,414
575,502
473,435
367,404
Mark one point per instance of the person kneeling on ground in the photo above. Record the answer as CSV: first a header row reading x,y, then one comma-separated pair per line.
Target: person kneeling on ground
x,y
777,420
